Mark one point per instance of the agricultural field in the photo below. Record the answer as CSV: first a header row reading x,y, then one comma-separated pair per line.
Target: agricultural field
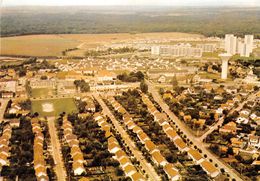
x,y
53,45
53,107
36,45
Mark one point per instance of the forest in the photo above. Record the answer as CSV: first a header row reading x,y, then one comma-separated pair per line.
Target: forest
x,y
209,21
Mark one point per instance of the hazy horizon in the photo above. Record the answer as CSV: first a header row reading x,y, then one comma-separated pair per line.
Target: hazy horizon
x,y
177,3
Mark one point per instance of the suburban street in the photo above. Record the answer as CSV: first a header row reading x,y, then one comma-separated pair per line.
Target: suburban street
x,y
56,150
221,120
2,108
183,128
149,170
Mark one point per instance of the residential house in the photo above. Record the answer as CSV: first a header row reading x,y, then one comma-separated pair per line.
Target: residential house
x,y
230,127
195,156
180,145
254,141
171,172
209,169
158,159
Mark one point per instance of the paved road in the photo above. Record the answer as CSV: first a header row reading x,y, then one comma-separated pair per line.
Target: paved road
x,y
182,126
149,170
56,150
221,119
2,108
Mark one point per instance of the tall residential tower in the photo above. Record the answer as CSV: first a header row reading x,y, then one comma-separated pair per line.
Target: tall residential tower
x,y
230,44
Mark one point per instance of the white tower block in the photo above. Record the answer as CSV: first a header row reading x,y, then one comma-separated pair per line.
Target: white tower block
x,y
224,57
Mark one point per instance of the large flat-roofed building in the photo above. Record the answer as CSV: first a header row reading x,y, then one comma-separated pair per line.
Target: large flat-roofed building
x,y
155,50
36,83
208,47
8,85
180,50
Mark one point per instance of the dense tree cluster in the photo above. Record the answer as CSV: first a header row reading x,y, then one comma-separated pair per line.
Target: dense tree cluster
x,y
26,105
84,86
143,87
206,21
131,77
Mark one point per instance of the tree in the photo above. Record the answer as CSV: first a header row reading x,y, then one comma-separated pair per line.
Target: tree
x,y
161,91
143,87
174,82
84,86
44,77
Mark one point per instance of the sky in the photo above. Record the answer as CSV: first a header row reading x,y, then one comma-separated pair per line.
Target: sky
x,y
132,2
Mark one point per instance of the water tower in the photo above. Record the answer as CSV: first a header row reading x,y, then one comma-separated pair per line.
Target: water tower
x,y
224,57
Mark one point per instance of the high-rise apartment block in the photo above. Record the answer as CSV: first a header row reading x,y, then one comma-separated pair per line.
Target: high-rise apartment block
x,y
234,45
231,44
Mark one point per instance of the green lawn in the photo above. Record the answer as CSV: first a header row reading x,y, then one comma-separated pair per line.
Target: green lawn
x,y
59,105
42,92
210,54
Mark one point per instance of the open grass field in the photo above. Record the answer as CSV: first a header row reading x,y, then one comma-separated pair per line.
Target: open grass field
x,y
59,105
53,45
41,92
7,61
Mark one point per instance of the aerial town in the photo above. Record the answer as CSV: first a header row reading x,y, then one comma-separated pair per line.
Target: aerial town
x,y
129,90
165,109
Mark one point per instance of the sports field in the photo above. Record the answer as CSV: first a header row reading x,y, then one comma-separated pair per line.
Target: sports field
x,y
53,107
41,92
53,45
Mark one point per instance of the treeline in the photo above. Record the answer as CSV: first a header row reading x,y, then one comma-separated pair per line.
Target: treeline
x,y
109,51
68,50
206,21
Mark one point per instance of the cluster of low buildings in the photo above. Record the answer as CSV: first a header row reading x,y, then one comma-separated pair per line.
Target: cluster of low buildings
x,y
148,43
162,120
4,146
38,150
119,155
91,66
90,105
75,151
16,109
249,116
156,156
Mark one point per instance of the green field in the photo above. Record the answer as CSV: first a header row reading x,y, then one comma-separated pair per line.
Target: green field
x,y
41,92
59,105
